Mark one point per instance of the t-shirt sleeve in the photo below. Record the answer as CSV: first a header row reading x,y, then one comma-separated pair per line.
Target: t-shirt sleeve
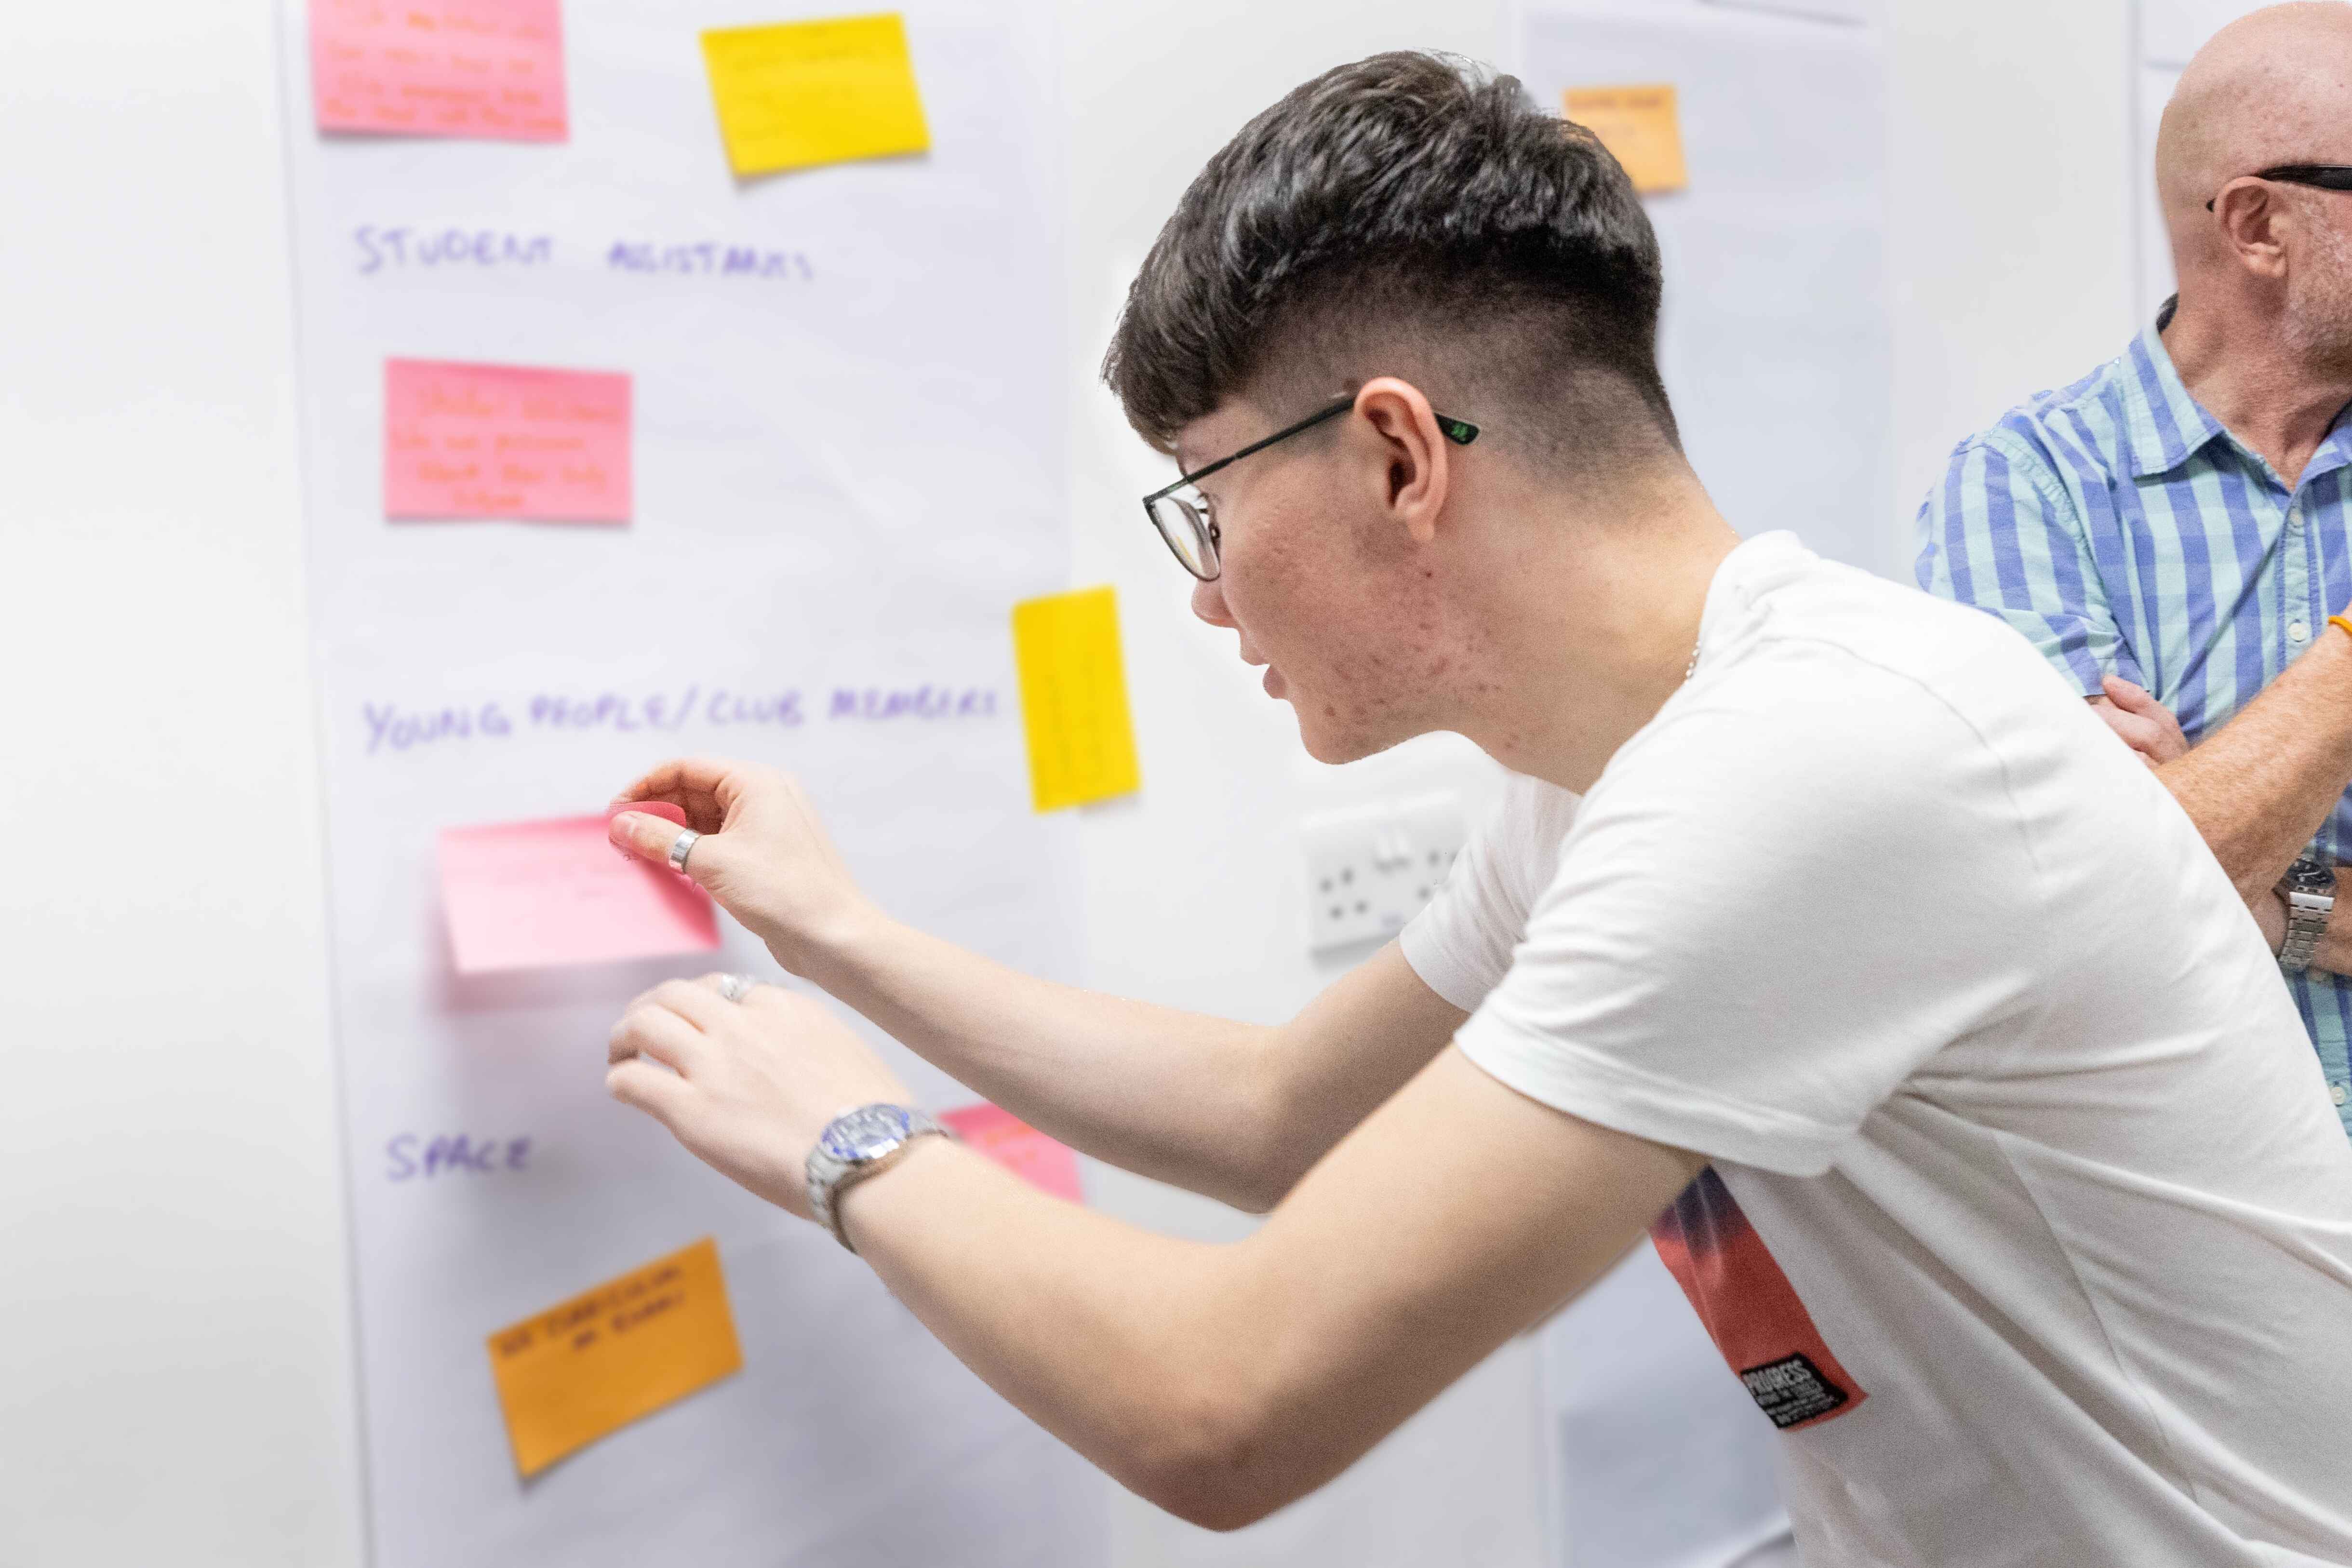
x,y
1766,918
2000,532
1461,942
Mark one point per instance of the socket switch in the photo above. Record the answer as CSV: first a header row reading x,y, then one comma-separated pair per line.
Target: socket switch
x,y
1371,868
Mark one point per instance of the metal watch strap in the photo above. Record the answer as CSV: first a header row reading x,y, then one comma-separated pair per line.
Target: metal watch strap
x,y
829,1177
2309,891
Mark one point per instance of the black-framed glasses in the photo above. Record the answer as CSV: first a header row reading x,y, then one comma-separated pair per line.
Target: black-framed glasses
x,y
1189,523
2324,176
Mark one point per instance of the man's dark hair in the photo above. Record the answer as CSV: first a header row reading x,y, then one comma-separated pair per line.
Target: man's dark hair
x,y
1415,215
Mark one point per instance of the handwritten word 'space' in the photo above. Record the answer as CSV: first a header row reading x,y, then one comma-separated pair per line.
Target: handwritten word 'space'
x,y
396,729
404,246
411,1156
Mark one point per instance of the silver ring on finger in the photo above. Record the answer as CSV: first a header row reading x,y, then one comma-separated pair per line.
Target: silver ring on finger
x,y
735,987
681,846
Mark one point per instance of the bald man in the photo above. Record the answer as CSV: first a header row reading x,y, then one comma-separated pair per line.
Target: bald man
x,y
2171,530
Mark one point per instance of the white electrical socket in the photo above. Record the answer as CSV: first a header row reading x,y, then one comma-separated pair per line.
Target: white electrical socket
x,y
1369,870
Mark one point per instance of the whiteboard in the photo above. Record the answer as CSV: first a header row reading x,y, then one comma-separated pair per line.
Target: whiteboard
x,y
849,464
1775,341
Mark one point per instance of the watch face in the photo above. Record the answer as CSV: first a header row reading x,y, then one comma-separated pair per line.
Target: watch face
x,y
865,1133
2312,877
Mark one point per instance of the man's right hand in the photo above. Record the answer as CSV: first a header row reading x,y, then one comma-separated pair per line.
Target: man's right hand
x,y
2146,725
764,854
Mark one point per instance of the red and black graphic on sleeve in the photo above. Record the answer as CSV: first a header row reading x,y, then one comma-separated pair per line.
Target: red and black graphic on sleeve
x,y
1749,1307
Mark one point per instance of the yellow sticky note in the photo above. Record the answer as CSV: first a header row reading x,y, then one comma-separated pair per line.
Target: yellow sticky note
x,y
1074,699
1639,126
801,93
591,1366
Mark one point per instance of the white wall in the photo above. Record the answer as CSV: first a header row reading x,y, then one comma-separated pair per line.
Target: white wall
x,y
173,1350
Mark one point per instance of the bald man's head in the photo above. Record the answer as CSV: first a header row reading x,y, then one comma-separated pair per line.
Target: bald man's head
x,y
2272,266
2270,88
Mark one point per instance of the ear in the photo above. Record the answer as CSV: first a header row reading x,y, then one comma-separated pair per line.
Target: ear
x,y
1419,471
2254,223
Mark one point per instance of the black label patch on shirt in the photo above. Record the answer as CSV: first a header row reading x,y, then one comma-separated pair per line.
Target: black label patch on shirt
x,y
1792,1390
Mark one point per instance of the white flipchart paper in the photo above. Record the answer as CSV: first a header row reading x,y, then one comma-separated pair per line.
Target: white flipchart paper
x,y
1776,341
848,423
1775,346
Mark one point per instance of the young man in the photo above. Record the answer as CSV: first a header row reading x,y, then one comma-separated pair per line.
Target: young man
x,y
2171,531
2005,1181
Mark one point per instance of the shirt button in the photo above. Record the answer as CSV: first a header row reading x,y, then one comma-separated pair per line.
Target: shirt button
x,y
2295,520
2339,1094
2298,632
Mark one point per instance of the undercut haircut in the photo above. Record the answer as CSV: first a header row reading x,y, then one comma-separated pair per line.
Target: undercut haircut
x,y
1409,214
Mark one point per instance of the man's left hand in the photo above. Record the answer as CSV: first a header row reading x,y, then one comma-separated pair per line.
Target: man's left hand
x,y
2146,725
746,1086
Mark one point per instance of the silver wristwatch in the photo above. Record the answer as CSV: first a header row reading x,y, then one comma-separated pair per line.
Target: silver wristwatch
x,y
855,1145
2309,890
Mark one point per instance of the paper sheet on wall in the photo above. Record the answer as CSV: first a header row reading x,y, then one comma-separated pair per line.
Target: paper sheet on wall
x,y
816,368
1774,344
1775,341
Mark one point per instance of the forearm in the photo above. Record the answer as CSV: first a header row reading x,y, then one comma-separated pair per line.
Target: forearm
x,y
1223,1382
2262,786
1106,1336
1177,1096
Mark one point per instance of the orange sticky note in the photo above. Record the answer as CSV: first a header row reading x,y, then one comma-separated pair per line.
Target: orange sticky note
x,y
589,1366
537,895
489,69
1642,127
496,440
1019,1148
798,94
1074,699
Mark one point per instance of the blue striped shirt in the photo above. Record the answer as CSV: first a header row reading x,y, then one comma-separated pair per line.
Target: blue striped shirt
x,y
2121,528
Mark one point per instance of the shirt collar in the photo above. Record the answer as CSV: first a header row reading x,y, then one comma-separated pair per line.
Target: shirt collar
x,y
2165,425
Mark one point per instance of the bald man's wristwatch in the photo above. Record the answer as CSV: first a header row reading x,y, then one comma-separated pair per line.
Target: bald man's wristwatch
x,y
2309,890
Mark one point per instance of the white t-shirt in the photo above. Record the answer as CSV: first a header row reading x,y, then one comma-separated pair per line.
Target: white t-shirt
x,y
2030,1220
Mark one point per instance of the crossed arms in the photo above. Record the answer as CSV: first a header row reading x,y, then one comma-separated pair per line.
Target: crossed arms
x,y
2260,786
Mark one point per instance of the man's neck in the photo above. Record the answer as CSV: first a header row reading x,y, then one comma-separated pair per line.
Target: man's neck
x,y
2240,365
1588,633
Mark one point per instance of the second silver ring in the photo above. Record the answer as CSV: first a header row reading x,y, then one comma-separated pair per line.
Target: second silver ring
x,y
682,847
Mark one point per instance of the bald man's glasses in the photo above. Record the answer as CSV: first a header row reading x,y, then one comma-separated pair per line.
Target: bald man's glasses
x,y
2325,176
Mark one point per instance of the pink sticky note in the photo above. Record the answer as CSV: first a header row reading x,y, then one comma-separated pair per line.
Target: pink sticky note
x,y
660,808
495,440
1018,1147
536,895
489,69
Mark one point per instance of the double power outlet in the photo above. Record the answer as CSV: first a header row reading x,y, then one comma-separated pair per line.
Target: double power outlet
x,y
1371,868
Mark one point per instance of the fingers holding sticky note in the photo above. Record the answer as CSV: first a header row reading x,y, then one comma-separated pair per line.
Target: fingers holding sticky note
x,y
799,94
537,895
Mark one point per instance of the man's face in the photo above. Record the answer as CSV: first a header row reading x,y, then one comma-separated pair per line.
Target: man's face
x,y
1325,591
2319,277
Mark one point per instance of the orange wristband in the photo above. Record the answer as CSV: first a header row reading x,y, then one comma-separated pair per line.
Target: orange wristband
x,y
2340,621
